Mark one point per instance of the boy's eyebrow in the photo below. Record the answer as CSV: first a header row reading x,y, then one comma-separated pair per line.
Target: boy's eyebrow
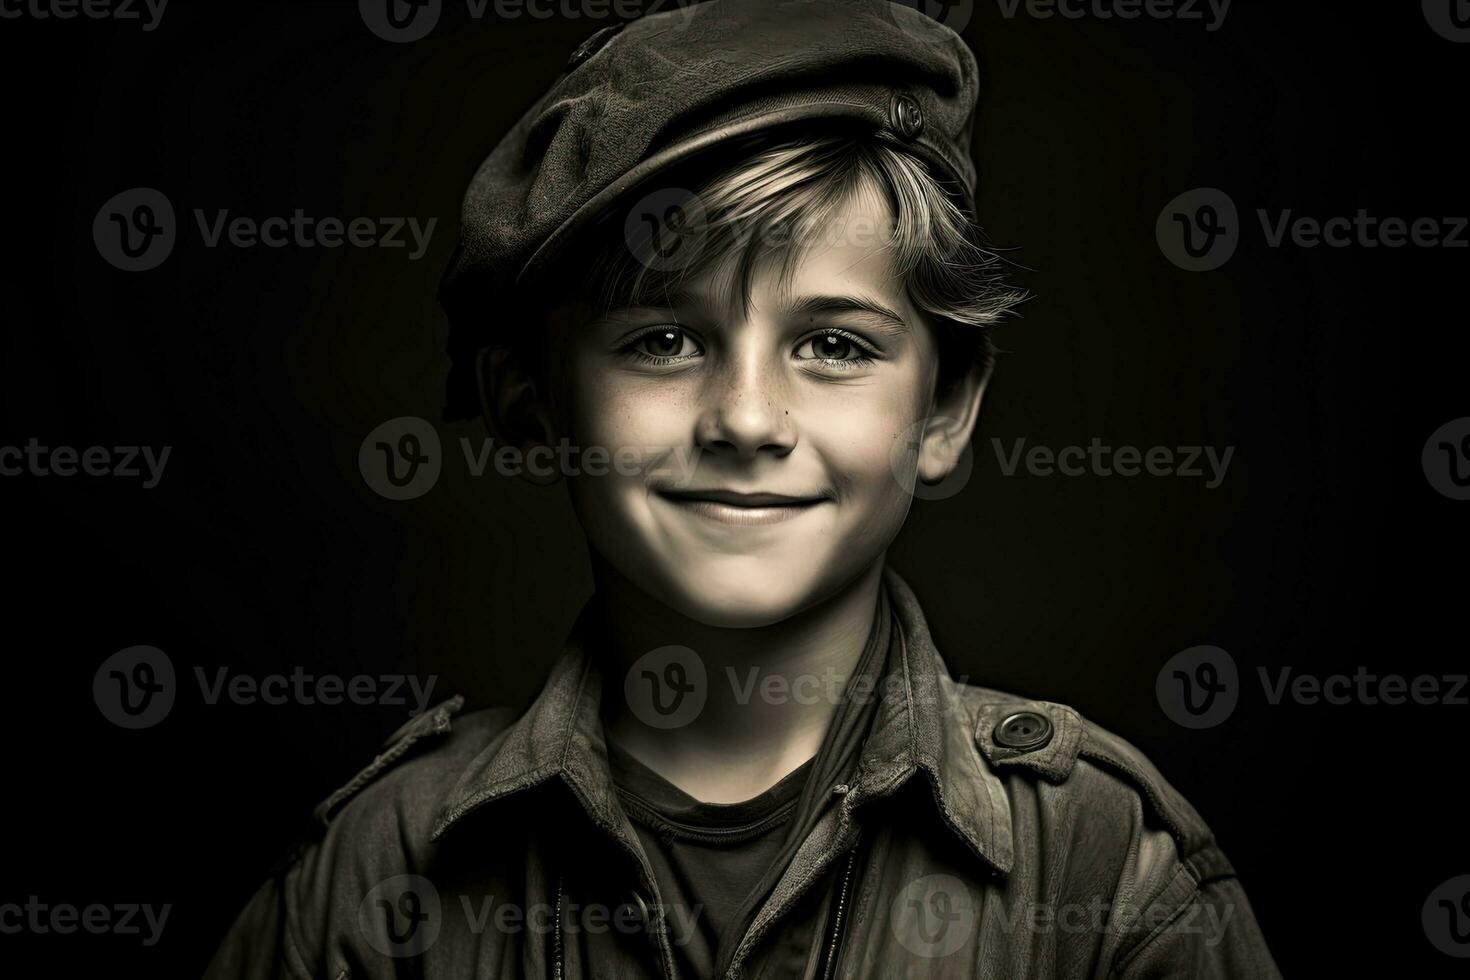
x,y
810,305
807,306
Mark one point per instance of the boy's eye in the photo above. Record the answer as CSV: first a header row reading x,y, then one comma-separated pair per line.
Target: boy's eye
x,y
665,342
832,346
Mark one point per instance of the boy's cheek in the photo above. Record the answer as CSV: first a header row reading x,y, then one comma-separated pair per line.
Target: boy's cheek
x,y
628,418
643,434
860,436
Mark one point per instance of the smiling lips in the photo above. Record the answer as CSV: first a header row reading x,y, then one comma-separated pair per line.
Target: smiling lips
x,y
729,507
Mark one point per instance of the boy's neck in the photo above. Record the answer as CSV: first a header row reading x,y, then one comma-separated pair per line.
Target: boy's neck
x,y
744,740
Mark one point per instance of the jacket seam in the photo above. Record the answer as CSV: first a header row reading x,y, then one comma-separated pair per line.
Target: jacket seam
x,y
571,723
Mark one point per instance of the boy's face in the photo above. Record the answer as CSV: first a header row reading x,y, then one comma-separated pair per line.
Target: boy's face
x,y
772,437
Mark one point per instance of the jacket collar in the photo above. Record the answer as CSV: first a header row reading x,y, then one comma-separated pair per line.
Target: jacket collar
x,y
922,726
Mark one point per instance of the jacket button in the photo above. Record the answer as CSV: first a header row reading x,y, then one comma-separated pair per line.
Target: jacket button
x,y
1025,730
906,117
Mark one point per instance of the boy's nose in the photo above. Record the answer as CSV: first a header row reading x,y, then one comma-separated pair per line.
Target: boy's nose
x,y
745,415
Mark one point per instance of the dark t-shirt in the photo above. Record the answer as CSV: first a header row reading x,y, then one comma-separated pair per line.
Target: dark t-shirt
x,y
716,862
707,857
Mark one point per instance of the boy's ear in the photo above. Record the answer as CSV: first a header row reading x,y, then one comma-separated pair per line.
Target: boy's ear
x,y
948,429
514,410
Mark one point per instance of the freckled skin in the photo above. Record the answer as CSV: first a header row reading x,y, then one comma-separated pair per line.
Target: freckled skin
x,y
751,409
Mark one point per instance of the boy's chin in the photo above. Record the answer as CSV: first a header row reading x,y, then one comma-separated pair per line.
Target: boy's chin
x,y
741,600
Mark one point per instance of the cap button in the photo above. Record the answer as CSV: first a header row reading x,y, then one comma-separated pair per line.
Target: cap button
x,y
1024,730
906,116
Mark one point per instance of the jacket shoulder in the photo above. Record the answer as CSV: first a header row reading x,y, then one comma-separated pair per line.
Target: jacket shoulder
x,y
416,766
1058,744
395,797
376,826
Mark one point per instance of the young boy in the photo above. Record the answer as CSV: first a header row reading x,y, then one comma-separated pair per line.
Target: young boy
x,y
732,248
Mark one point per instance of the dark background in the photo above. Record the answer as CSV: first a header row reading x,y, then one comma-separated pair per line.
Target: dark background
x,y
263,549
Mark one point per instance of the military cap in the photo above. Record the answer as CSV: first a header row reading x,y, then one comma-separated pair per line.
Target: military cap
x,y
642,96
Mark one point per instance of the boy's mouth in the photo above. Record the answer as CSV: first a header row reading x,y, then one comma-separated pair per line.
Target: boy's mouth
x,y
733,507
